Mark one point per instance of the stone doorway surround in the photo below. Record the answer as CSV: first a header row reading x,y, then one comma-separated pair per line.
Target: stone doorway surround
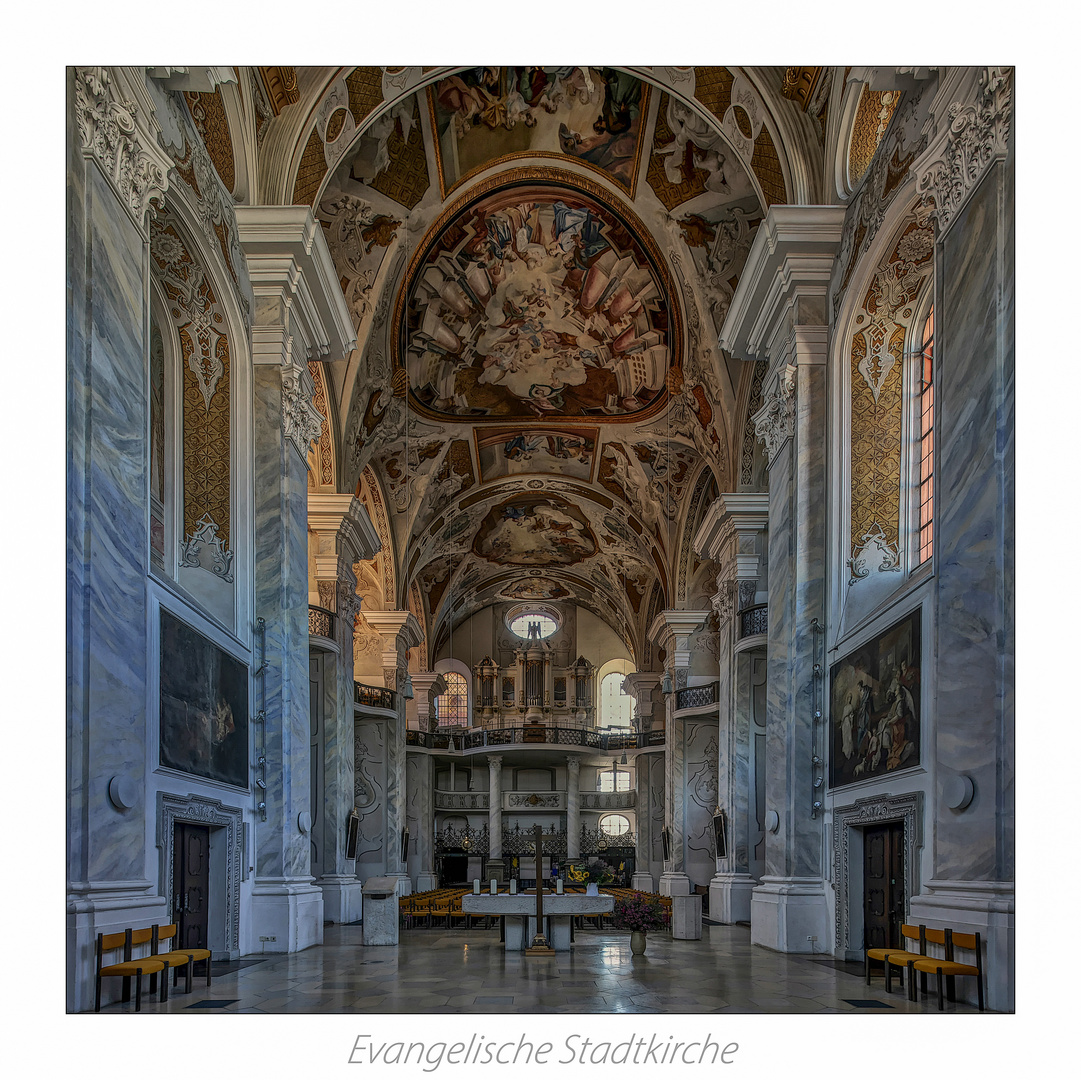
x,y
203,811
875,810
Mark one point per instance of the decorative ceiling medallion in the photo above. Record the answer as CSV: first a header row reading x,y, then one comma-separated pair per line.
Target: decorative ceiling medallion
x,y
535,297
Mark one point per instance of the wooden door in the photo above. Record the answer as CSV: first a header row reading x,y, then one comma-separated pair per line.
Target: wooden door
x,y
883,885
191,884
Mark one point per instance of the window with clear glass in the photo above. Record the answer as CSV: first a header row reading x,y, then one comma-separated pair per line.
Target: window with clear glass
x,y
927,438
547,626
452,708
614,825
613,780
615,710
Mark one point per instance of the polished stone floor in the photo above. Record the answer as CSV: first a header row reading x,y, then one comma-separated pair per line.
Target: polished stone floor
x,y
467,971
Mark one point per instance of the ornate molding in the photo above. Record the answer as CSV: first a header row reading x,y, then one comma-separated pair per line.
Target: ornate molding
x,y
876,553
724,600
775,422
301,420
976,136
109,135
205,548
905,808
173,808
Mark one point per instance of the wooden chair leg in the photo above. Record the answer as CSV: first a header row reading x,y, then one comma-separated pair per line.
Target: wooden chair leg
x,y
187,975
867,968
208,959
164,984
97,994
940,1006
138,989
979,990
125,995
910,980
889,977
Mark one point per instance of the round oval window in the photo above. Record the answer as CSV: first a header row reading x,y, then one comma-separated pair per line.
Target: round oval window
x,y
614,825
547,626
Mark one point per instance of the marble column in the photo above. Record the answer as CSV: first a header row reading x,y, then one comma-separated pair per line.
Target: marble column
x,y
779,313
111,179
400,632
574,804
495,806
344,536
299,315
971,887
643,832
728,537
672,630
421,819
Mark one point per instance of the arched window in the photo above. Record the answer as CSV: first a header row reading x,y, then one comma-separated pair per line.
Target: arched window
x,y
452,708
615,706
927,437
613,780
614,825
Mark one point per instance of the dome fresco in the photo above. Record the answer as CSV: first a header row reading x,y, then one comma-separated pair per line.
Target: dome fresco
x,y
536,301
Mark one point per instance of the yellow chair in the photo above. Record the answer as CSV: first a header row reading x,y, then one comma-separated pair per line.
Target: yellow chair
x,y
949,968
903,958
128,967
178,958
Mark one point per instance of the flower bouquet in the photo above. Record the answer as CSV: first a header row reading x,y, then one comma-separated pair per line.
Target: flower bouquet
x,y
641,914
598,873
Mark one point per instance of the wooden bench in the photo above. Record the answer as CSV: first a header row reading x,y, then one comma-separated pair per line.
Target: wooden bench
x,y
177,958
149,965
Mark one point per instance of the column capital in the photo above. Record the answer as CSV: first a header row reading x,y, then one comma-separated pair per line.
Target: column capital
x,y
785,282
427,686
968,131
671,629
300,311
118,129
734,517
573,764
344,516
495,761
396,627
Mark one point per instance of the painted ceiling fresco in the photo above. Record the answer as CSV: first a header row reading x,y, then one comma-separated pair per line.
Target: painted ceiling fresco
x,y
536,301
511,451
538,262
482,115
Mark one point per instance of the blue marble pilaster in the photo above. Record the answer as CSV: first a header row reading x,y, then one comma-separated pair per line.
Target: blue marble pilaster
x,y
788,908
107,402
283,852
974,536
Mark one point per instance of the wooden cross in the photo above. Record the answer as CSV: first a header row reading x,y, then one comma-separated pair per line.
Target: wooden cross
x,y
539,946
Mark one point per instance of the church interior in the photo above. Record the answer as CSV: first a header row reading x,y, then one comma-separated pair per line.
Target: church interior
x,y
484,477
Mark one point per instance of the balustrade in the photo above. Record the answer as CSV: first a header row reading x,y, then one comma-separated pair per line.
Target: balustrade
x,y
753,620
320,621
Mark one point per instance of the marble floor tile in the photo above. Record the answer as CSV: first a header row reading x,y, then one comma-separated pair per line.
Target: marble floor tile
x,y
467,971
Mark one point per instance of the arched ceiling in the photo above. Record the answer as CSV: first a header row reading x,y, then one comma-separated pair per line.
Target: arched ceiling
x,y
538,262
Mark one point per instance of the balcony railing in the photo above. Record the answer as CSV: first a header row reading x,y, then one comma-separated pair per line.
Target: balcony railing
x,y
375,697
320,621
695,697
530,733
608,800
752,620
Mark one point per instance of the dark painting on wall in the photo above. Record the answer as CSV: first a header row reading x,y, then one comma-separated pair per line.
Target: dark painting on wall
x,y
204,706
875,706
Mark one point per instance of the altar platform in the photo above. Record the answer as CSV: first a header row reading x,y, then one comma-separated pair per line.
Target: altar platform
x,y
519,912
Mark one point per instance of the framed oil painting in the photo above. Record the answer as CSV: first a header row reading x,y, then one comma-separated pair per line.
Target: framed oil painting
x,y
204,706
875,706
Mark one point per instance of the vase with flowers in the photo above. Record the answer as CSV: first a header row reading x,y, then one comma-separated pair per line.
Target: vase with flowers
x,y
594,875
641,914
